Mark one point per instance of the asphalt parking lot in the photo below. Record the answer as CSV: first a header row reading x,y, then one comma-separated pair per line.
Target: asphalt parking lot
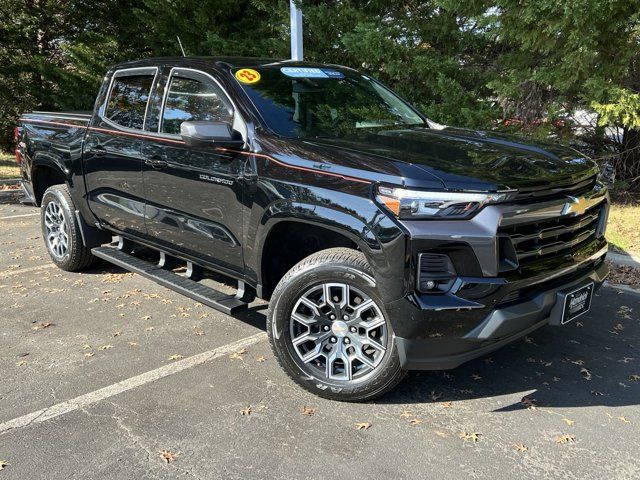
x,y
103,371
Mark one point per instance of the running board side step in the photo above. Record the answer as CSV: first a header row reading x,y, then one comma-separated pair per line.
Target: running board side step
x,y
215,299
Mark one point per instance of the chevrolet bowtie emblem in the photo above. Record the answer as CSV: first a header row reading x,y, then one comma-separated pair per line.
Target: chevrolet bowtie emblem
x,y
575,206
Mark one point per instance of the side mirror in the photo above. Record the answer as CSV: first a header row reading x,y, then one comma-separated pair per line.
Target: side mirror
x,y
202,134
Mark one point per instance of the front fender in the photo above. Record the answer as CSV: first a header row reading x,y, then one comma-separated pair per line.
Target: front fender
x,y
379,239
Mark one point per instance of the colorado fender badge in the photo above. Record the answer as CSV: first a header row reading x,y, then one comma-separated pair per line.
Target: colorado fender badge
x,y
248,75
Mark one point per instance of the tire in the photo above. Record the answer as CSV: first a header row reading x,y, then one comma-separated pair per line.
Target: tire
x,y
352,358
61,232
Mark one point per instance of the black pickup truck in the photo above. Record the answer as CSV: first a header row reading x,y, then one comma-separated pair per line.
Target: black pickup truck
x,y
383,241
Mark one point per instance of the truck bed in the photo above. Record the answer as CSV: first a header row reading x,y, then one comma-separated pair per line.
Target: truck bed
x,y
50,142
75,117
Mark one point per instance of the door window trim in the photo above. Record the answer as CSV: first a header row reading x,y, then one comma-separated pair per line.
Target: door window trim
x,y
129,72
236,112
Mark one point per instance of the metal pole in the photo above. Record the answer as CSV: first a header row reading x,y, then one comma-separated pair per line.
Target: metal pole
x,y
296,31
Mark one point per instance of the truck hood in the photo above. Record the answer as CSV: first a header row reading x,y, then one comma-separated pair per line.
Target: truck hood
x,y
454,158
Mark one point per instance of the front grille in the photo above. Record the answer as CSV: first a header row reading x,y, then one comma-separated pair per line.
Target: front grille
x,y
552,237
558,191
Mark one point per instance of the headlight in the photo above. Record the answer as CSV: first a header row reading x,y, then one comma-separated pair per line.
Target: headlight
x,y
415,204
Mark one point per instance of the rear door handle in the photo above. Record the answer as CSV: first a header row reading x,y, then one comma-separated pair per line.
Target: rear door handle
x,y
156,162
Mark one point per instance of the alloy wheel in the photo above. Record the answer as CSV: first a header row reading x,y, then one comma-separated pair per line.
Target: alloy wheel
x,y
57,230
338,332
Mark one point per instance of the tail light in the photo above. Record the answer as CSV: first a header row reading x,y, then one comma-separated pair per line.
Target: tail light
x,y
16,140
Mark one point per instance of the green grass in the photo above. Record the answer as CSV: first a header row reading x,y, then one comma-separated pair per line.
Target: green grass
x,y
8,166
623,231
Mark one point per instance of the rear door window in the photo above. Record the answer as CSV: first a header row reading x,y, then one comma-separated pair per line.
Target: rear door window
x,y
128,100
192,96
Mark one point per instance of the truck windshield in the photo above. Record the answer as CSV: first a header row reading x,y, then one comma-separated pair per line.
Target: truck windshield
x,y
323,102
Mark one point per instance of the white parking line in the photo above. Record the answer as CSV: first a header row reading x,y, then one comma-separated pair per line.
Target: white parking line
x,y
18,271
125,385
19,216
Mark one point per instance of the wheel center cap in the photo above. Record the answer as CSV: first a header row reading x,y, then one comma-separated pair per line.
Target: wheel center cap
x,y
339,328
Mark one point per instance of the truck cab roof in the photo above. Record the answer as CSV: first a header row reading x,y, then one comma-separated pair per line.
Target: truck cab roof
x,y
212,61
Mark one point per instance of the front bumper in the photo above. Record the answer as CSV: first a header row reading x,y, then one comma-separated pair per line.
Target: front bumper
x,y
450,344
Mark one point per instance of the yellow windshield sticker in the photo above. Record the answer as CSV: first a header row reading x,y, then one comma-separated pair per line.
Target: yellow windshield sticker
x,y
248,75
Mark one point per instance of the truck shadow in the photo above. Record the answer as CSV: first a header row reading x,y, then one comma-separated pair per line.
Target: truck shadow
x,y
594,361
254,315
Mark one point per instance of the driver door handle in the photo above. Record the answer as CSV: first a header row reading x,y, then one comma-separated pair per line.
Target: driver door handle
x,y
156,162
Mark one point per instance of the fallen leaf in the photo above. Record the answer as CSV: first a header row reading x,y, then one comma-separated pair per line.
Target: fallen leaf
x,y
578,362
529,402
117,334
168,456
3,464
86,347
415,421
177,356
247,411
148,329
568,422
105,347
634,378
146,317
363,426
520,447
199,333
475,376
43,325
597,393
89,354
133,344
624,419
308,411
473,436
446,404
406,414
21,363
565,438
238,355
585,373
440,433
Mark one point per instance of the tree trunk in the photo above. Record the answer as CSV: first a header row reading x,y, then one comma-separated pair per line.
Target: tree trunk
x,y
628,164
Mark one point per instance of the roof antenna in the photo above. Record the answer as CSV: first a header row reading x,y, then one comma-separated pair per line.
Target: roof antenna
x,y
181,48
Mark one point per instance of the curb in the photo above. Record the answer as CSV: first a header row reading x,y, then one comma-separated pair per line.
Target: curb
x,y
623,288
626,260
10,181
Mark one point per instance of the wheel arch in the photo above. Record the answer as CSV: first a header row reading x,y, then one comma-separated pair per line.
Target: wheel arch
x,y
292,231
45,172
